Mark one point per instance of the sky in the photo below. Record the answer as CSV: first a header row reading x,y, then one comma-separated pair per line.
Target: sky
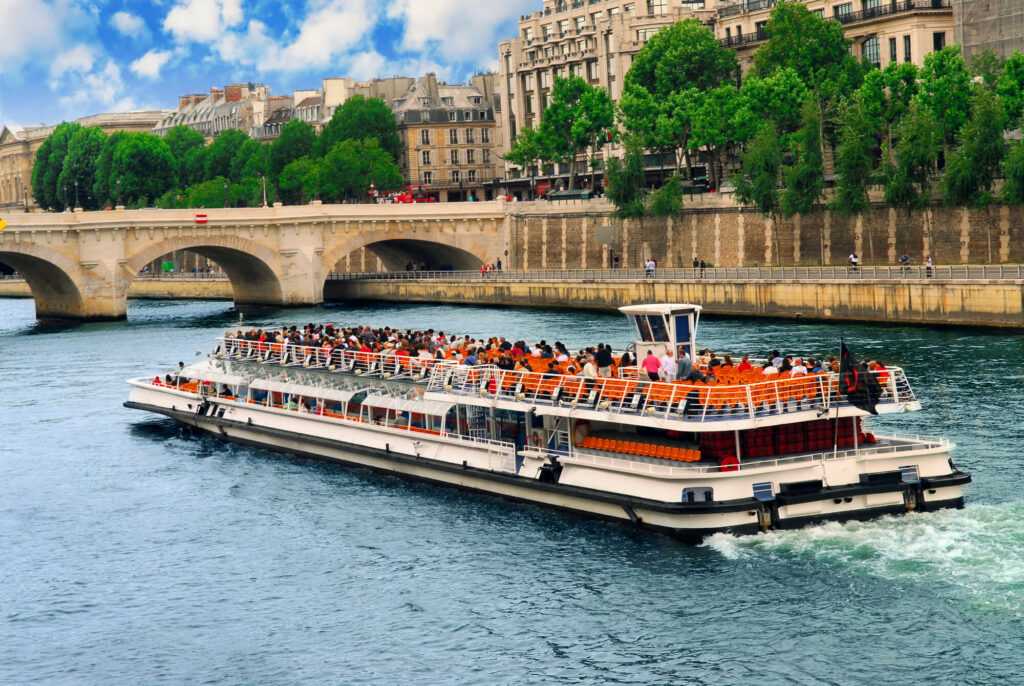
x,y
61,59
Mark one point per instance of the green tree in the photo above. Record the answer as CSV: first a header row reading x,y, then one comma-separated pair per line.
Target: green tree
x,y
909,174
526,152
182,140
624,180
1013,172
104,188
215,192
805,178
973,167
1010,88
946,91
722,121
758,181
361,118
812,46
353,165
194,167
988,66
222,152
142,168
778,97
297,139
49,165
578,117
251,161
299,181
667,201
78,175
854,158
664,81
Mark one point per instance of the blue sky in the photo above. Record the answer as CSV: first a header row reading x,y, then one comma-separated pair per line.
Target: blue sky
x,y
61,59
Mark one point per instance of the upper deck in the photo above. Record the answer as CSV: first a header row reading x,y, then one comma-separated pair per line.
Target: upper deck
x,y
734,402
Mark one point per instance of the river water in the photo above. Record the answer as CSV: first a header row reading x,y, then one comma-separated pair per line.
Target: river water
x,y
136,553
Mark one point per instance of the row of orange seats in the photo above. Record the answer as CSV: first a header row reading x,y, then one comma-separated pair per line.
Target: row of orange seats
x,y
665,452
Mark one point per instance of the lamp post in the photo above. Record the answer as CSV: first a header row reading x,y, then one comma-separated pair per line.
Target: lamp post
x,y
76,194
225,193
263,180
119,191
65,198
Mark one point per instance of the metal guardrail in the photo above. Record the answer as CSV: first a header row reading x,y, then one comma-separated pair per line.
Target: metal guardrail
x,y
183,276
990,272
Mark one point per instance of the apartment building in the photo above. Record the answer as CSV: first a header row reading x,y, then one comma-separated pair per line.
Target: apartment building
x,y
594,39
18,151
881,31
450,137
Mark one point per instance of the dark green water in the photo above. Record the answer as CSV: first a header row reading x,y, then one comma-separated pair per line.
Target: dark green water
x,y
136,553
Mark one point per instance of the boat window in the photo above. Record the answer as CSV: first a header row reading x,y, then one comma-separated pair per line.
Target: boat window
x,y
659,331
644,328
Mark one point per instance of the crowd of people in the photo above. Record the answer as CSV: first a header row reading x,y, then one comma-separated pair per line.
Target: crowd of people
x,y
591,362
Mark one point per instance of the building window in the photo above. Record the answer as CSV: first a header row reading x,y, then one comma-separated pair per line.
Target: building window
x,y
467,116
546,30
485,135
487,156
596,17
453,136
455,156
451,116
471,156
869,51
426,158
563,27
425,136
545,79
657,6
470,138
761,29
628,8
471,175
592,70
581,21
892,50
938,40
456,176
428,177
843,10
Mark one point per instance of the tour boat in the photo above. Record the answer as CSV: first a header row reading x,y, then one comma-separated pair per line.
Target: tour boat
x,y
740,454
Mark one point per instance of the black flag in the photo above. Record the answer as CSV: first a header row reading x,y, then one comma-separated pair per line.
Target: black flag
x,y
859,385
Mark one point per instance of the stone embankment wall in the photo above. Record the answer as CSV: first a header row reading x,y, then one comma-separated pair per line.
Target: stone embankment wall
x,y
149,289
988,304
570,238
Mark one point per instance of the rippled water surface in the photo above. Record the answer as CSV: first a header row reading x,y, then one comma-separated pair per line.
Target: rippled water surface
x,y
136,553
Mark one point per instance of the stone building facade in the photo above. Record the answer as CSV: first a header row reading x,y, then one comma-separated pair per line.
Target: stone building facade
x,y
450,137
881,31
18,151
996,25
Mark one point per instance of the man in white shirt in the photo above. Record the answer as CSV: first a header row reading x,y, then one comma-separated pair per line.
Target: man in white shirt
x,y
589,369
669,368
799,369
770,369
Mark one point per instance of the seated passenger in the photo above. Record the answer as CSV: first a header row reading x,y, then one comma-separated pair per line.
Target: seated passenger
x,y
744,365
798,368
770,370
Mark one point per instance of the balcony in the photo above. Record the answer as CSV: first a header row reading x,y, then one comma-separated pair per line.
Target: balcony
x,y
893,8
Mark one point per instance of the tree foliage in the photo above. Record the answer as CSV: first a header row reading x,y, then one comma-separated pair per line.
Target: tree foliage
x,y
46,188
352,166
1013,173
946,91
221,154
361,118
182,141
910,173
78,173
580,116
758,181
144,165
1010,87
973,167
804,180
667,201
625,180
854,158
297,139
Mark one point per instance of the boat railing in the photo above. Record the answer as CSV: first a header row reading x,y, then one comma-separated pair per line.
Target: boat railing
x,y
660,467
385,365
686,401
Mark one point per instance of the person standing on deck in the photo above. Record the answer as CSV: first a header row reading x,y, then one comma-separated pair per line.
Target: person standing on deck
x,y
669,367
652,365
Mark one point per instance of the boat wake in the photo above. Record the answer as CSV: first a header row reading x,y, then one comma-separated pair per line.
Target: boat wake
x,y
979,549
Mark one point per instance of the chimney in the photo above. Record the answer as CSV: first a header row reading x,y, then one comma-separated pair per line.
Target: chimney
x,y
233,93
216,92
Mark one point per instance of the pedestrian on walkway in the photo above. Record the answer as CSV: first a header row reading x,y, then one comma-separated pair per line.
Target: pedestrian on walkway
x,y
854,261
649,268
929,267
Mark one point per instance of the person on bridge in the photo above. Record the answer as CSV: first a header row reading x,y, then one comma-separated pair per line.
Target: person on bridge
x,y
929,267
854,261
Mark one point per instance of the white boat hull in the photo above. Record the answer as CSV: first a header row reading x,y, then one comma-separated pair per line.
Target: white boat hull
x,y
582,487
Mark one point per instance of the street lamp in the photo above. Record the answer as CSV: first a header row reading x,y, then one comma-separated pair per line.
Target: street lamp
x,y
263,180
225,193
65,198
76,194
119,191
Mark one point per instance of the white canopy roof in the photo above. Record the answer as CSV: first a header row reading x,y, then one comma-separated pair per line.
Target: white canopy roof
x,y
217,376
434,408
659,308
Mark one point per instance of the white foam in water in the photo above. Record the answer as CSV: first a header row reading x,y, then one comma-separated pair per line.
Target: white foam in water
x,y
979,549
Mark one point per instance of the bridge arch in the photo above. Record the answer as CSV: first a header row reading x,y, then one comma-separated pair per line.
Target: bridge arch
x,y
251,268
396,253
54,281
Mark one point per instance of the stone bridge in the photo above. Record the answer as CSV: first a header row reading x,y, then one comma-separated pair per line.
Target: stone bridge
x,y
79,265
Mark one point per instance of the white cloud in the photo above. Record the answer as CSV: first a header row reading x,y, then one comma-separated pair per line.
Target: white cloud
x,y
456,30
327,35
102,87
79,59
34,30
202,21
128,24
149,65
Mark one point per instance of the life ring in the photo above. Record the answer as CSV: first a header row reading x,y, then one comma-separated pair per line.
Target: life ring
x,y
729,463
